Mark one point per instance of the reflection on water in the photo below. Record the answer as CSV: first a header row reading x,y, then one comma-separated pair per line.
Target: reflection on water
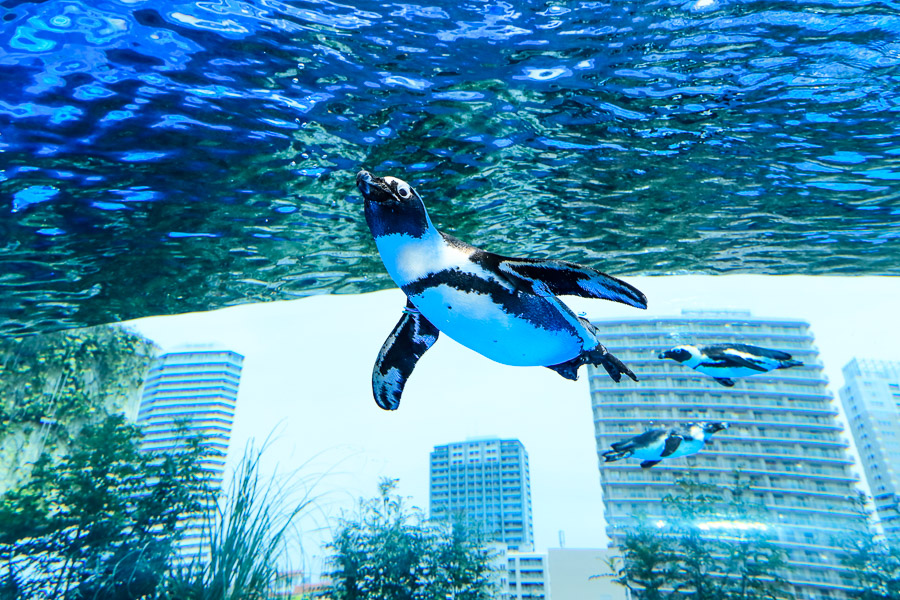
x,y
174,156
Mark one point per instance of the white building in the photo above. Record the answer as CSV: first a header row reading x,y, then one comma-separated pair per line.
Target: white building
x,y
528,574
784,436
871,399
583,573
192,392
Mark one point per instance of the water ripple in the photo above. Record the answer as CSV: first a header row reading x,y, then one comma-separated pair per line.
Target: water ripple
x,y
175,156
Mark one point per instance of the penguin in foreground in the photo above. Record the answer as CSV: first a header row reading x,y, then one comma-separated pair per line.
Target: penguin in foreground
x,y
504,308
723,362
655,445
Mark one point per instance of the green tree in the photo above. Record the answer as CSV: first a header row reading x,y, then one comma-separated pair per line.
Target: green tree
x,y
649,565
712,545
52,385
99,522
389,552
873,562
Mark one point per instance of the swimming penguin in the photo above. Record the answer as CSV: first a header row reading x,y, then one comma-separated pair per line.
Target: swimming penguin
x,y
723,362
655,445
503,308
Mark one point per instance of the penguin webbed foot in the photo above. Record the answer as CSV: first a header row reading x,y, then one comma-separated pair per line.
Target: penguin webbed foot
x,y
614,455
616,368
599,356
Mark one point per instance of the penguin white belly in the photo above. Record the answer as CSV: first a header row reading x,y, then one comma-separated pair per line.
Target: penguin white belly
x,y
476,321
654,451
728,372
686,448
535,332
651,451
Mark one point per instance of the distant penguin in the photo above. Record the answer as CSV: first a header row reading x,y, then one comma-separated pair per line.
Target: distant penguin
x,y
504,308
724,362
655,445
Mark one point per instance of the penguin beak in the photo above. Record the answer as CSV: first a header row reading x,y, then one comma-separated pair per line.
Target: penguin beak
x,y
664,354
372,188
364,181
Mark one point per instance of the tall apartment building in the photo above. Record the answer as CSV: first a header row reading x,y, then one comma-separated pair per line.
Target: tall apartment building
x,y
192,391
784,436
871,399
487,482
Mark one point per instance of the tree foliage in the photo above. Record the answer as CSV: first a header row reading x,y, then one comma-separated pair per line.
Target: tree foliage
x,y
873,562
389,552
100,521
711,546
51,385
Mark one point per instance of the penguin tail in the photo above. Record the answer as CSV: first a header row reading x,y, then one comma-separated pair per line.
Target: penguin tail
x,y
787,364
614,455
568,369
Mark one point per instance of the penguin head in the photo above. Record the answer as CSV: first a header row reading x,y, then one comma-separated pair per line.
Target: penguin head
x,y
392,206
712,427
681,353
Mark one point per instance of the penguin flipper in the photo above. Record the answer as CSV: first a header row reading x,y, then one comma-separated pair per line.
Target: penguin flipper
x,y
561,278
672,443
649,463
725,381
411,337
645,439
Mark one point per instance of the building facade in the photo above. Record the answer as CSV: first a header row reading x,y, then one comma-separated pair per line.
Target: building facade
x,y
528,574
871,399
580,573
487,483
192,392
784,436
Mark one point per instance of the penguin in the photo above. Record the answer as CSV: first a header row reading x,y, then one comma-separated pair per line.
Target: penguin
x,y
504,308
723,362
655,445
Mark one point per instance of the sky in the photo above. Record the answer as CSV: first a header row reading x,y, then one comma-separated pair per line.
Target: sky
x,y
306,388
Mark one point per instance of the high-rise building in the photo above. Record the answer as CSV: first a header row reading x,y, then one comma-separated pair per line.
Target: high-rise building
x,y
487,482
193,392
784,436
871,398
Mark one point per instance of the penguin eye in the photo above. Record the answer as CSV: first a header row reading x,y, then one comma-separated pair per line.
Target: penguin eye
x,y
403,190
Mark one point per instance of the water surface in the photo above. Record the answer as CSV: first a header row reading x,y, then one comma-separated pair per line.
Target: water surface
x,y
163,157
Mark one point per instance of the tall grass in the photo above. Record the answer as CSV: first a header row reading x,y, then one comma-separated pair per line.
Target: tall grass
x,y
248,531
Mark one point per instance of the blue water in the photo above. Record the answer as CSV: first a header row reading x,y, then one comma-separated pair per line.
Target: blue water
x,y
162,157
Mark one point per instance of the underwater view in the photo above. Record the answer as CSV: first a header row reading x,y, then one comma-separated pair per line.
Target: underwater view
x,y
516,300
